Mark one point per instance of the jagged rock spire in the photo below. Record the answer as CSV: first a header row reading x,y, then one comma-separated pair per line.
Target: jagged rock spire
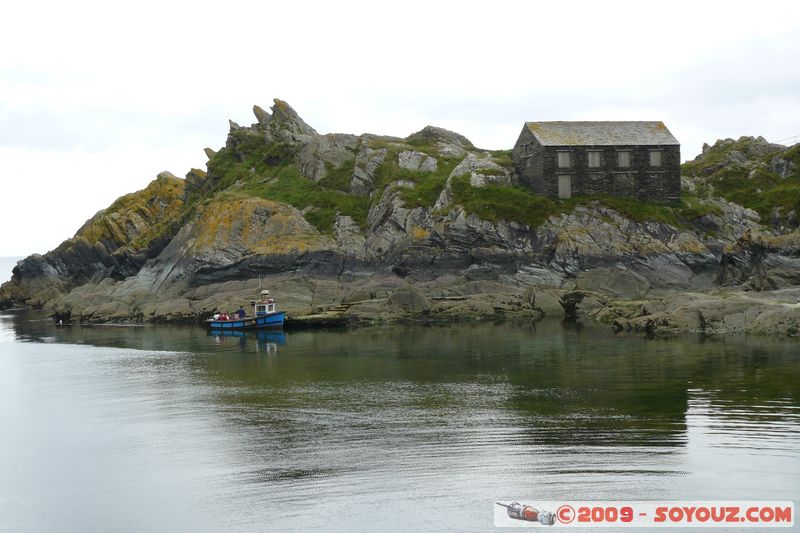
x,y
284,124
261,116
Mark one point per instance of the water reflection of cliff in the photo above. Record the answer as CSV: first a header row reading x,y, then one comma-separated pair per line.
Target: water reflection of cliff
x,y
543,385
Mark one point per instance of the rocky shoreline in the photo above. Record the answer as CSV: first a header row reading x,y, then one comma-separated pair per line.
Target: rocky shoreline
x,y
318,303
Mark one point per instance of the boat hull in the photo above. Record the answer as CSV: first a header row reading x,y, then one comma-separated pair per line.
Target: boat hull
x,y
268,321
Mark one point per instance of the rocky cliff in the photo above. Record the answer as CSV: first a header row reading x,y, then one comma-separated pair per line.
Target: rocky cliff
x,y
427,227
113,244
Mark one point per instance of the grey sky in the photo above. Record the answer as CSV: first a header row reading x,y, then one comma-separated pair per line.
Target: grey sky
x,y
95,99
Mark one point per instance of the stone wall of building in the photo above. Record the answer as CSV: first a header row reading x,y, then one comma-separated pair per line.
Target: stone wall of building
x,y
538,168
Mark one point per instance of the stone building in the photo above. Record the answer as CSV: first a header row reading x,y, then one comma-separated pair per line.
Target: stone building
x,y
632,159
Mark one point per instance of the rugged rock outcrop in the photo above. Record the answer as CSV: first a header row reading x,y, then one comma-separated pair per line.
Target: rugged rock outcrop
x,y
364,228
113,244
367,162
752,172
283,125
761,261
481,170
322,152
416,161
447,143
710,313
727,153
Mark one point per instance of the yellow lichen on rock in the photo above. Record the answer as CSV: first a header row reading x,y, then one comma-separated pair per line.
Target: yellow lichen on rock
x,y
256,226
135,219
419,233
686,242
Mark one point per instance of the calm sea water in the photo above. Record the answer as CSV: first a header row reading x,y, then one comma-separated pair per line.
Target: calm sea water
x,y
379,429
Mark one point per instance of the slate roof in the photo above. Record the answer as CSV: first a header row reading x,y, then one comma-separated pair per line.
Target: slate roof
x,y
601,133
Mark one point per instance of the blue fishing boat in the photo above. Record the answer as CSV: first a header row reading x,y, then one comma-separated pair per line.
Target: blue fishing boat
x,y
265,316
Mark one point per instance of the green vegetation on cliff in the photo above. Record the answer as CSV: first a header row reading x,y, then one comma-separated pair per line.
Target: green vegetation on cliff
x,y
251,167
426,189
258,169
499,202
338,178
751,172
427,185
520,204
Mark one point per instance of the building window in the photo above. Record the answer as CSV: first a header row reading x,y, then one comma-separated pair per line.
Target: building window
x,y
564,159
656,157
594,158
624,159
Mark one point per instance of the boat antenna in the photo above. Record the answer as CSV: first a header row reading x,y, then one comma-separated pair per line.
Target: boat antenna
x,y
260,286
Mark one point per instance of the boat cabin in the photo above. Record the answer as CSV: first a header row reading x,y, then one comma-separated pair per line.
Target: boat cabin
x,y
265,306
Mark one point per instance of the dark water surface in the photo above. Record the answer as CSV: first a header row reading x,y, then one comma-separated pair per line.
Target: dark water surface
x,y
376,429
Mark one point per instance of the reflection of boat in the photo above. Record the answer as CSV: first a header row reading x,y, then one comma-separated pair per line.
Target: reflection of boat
x,y
277,337
264,316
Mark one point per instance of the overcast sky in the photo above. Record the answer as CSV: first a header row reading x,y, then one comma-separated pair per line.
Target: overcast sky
x,y
96,98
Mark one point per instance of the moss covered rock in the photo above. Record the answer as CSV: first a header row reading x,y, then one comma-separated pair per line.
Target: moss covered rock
x,y
113,244
133,221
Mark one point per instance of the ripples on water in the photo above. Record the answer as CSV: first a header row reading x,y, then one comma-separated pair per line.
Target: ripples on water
x,y
393,428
